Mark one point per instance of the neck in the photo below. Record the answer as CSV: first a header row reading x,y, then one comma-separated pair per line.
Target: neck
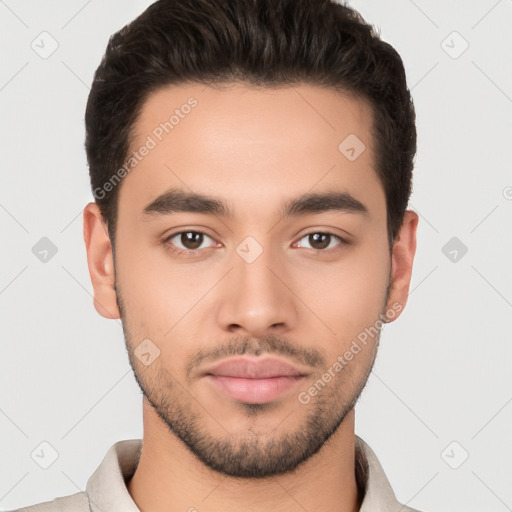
x,y
170,478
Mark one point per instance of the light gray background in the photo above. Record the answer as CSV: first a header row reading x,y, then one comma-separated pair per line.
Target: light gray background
x,y
443,371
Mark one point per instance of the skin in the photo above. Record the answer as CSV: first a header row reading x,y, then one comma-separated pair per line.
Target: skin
x,y
254,149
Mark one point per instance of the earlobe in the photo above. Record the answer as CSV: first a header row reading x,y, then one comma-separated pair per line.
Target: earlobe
x,y
404,249
100,262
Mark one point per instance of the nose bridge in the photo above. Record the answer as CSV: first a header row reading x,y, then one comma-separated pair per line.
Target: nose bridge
x,y
257,299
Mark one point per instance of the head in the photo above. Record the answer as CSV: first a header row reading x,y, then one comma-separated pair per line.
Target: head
x,y
251,163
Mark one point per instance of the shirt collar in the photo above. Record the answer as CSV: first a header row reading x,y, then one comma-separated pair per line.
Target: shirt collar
x,y
106,488
371,479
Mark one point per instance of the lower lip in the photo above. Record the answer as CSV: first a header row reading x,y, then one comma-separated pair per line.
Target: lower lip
x,y
254,391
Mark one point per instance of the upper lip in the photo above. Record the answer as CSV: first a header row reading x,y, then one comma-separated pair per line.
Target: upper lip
x,y
254,368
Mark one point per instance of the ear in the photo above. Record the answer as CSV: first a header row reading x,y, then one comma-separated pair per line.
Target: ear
x,y
404,249
100,262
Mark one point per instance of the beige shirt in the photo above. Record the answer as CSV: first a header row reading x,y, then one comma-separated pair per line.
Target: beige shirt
x,y
106,488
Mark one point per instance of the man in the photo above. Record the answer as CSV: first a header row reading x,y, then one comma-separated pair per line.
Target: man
x,y
251,163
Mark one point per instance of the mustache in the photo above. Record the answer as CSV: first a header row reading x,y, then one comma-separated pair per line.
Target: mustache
x,y
267,345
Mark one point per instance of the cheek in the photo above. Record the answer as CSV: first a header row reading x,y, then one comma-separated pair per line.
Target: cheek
x,y
348,295
158,301
154,285
351,304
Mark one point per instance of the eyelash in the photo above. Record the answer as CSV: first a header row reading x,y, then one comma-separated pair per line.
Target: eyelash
x,y
192,252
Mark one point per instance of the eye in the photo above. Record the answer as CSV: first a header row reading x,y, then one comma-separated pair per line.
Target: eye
x,y
321,241
190,241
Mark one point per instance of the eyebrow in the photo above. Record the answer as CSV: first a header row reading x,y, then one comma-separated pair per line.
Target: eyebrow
x,y
178,200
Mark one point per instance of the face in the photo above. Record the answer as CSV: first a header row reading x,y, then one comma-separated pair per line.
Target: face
x,y
252,270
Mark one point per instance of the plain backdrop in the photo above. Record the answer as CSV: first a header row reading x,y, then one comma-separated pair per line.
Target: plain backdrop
x,y
438,407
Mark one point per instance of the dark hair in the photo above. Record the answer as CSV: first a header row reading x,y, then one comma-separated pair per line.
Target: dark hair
x,y
260,43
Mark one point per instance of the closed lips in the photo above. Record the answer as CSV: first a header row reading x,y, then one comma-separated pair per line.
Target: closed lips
x,y
245,368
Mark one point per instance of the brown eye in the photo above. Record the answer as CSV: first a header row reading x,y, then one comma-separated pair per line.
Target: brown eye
x,y
321,241
191,239
187,241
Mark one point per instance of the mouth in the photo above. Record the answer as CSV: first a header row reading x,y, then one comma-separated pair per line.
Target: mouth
x,y
254,380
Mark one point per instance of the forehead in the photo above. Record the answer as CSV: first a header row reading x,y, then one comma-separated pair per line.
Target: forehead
x,y
250,145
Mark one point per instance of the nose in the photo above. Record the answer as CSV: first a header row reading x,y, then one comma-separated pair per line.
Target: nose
x,y
256,297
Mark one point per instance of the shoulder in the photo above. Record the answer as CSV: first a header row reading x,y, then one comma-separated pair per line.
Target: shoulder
x,y
74,503
375,487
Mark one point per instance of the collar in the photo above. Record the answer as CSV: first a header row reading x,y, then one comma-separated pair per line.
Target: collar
x,y
106,488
